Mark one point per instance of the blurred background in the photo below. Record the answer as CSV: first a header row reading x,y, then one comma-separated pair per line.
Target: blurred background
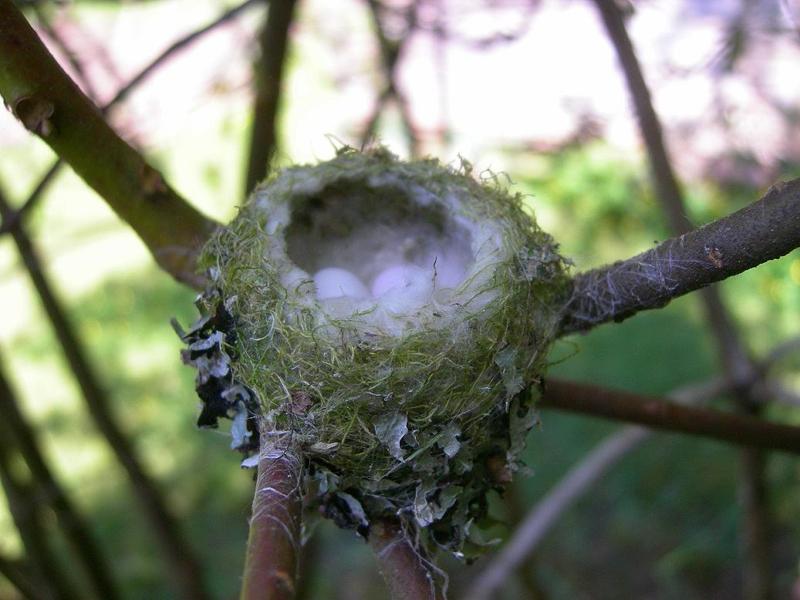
x,y
528,89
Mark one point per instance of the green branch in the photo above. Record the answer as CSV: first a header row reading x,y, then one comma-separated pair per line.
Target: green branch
x,y
50,105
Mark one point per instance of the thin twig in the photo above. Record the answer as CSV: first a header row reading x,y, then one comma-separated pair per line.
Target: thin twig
x,y
273,43
28,517
69,55
182,564
17,574
174,48
273,547
738,366
391,52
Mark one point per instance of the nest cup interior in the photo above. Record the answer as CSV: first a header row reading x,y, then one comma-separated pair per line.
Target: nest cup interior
x,y
378,246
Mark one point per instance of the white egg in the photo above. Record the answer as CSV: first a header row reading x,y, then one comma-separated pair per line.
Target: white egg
x,y
400,277
333,282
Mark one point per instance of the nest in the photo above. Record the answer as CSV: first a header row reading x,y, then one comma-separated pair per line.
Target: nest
x,y
413,402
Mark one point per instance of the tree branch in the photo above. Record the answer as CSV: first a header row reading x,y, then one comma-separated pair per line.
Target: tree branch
x,y
407,574
49,104
273,547
273,42
75,528
734,356
121,95
18,576
182,565
763,231
27,514
542,517
657,413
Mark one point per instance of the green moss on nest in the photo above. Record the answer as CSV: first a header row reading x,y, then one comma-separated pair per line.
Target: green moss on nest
x,y
408,414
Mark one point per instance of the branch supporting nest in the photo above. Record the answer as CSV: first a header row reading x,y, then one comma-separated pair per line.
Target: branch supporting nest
x,y
273,547
763,231
408,574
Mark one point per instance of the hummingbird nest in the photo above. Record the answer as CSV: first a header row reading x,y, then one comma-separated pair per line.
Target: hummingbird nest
x,y
393,319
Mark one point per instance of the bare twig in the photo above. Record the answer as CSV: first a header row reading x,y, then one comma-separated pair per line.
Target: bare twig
x,y
542,517
273,547
75,528
273,43
408,575
182,565
50,105
656,413
765,230
174,48
121,95
545,514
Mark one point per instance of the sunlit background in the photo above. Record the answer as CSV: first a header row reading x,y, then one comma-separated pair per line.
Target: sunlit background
x,y
526,89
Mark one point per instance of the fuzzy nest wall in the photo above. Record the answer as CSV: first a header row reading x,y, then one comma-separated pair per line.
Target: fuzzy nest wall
x,y
393,318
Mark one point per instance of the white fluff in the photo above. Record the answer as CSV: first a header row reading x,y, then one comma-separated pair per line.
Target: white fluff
x,y
333,282
405,278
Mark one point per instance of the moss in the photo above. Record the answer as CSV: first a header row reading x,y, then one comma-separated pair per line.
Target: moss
x,y
407,420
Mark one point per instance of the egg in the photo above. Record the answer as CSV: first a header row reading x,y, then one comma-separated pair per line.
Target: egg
x,y
333,282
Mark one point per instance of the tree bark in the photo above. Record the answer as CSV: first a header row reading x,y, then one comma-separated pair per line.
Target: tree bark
x,y
273,546
763,231
407,573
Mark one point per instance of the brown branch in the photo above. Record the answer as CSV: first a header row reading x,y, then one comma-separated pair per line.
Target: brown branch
x,y
273,547
578,480
407,573
121,95
50,105
273,43
657,413
182,565
763,231
734,356
74,526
